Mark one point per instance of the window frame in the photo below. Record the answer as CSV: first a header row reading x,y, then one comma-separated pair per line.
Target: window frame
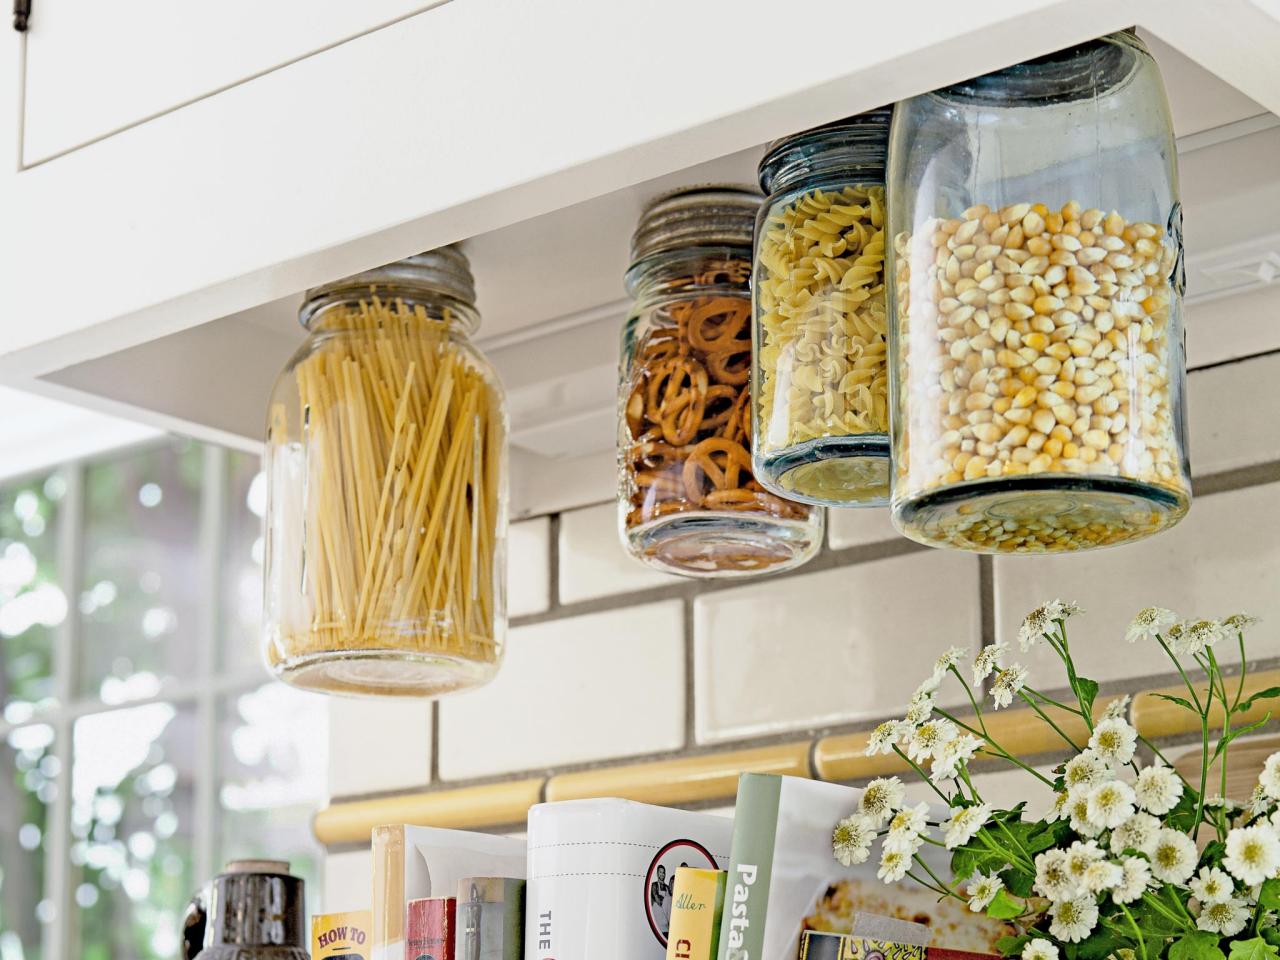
x,y
211,685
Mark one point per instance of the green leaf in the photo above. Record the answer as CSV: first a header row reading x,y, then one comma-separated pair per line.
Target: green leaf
x,y
1012,946
1213,853
1087,691
1004,907
1255,949
1019,881
1101,944
1197,945
1224,741
1269,895
1180,701
1268,694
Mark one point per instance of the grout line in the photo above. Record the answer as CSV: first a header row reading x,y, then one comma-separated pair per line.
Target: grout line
x,y
987,598
553,564
690,706
1232,361
1255,475
435,741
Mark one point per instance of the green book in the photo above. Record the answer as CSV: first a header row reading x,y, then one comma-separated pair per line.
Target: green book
x,y
697,898
490,920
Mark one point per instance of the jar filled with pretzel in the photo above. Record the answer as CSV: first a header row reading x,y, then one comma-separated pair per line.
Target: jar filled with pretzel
x,y
387,490
689,502
821,382
1037,285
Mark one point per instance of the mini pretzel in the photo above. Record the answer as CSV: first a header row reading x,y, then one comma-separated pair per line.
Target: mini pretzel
x,y
717,326
676,398
720,461
730,368
722,403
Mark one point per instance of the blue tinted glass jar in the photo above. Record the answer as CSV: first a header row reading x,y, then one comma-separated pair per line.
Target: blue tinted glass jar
x,y
820,388
1037,347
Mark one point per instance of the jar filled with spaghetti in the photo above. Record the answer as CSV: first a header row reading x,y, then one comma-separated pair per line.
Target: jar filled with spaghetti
x,y
387,489
688,500
821,383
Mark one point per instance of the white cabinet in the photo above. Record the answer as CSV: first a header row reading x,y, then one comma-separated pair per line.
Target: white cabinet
x,y
176,176
94,68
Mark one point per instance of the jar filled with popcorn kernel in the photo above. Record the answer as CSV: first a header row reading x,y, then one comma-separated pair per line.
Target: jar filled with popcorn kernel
x,y
688,500
1037,351
820,388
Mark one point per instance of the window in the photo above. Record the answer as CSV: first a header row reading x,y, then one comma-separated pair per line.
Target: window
x,y
141,743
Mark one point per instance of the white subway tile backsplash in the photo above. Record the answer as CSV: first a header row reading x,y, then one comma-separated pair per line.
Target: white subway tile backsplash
x,y
529,567
378,745
847,527
593,562
1232,415
832,647
1224,557
584,688
348,881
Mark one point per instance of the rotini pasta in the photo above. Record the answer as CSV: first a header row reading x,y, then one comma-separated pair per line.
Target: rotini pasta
x,y
822,327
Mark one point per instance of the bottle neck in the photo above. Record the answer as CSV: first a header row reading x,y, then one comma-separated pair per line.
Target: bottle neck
x,y
690,271
373,306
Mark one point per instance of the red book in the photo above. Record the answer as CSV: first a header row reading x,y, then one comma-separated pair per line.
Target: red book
x,y
428,928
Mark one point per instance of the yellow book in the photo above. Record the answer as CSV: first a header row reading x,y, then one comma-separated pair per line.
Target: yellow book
x,y
341,936
697,897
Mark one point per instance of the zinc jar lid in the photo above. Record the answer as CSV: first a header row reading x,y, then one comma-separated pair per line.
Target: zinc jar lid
x,y
859,143
700,215
444,270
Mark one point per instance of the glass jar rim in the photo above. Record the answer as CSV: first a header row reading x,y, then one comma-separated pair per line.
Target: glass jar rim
x,y
697,215
859,143
445,271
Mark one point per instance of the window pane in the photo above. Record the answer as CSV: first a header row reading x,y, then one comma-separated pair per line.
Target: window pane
x,y
273,763
242,561
31,602
132,830
28,785
142,571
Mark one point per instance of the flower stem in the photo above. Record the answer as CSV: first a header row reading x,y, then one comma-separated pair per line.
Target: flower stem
x,y
1000,751
1137,933
923,776
1195,697
1027,693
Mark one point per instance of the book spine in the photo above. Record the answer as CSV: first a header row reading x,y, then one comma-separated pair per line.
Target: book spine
x,y
428,929
490,919
746,899
387,936
697,901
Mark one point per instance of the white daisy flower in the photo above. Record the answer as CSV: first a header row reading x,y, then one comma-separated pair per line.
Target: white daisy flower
x,y
1085,771
894,865
1269,779
1258,800
991,657
1078,810
1174,858
982,891
886,736
1240,621
964,825
1082,855
881,797
1035,625
851,839
1157,789
1139,833
1212,885
1110,804
1226,917
950,657
1103,875
1007,683
906,828
1118,708
1114,741
952,755
920,708
1149,623
1039,949
1053,876
1133,883
1253,854
1073,919
1059,808
929,737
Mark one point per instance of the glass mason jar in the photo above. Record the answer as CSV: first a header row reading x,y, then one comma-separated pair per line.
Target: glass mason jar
x,y
386,464
688,502
820,386
1038,358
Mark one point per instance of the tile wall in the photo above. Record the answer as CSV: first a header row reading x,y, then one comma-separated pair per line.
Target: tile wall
x,y
608,660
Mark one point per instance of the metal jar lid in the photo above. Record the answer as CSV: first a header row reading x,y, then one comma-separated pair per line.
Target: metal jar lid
x,y
700,215
445,270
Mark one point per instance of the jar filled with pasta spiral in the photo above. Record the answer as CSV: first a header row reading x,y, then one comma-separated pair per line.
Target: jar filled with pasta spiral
x,y
387,489
820,386
1038,345
688,500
